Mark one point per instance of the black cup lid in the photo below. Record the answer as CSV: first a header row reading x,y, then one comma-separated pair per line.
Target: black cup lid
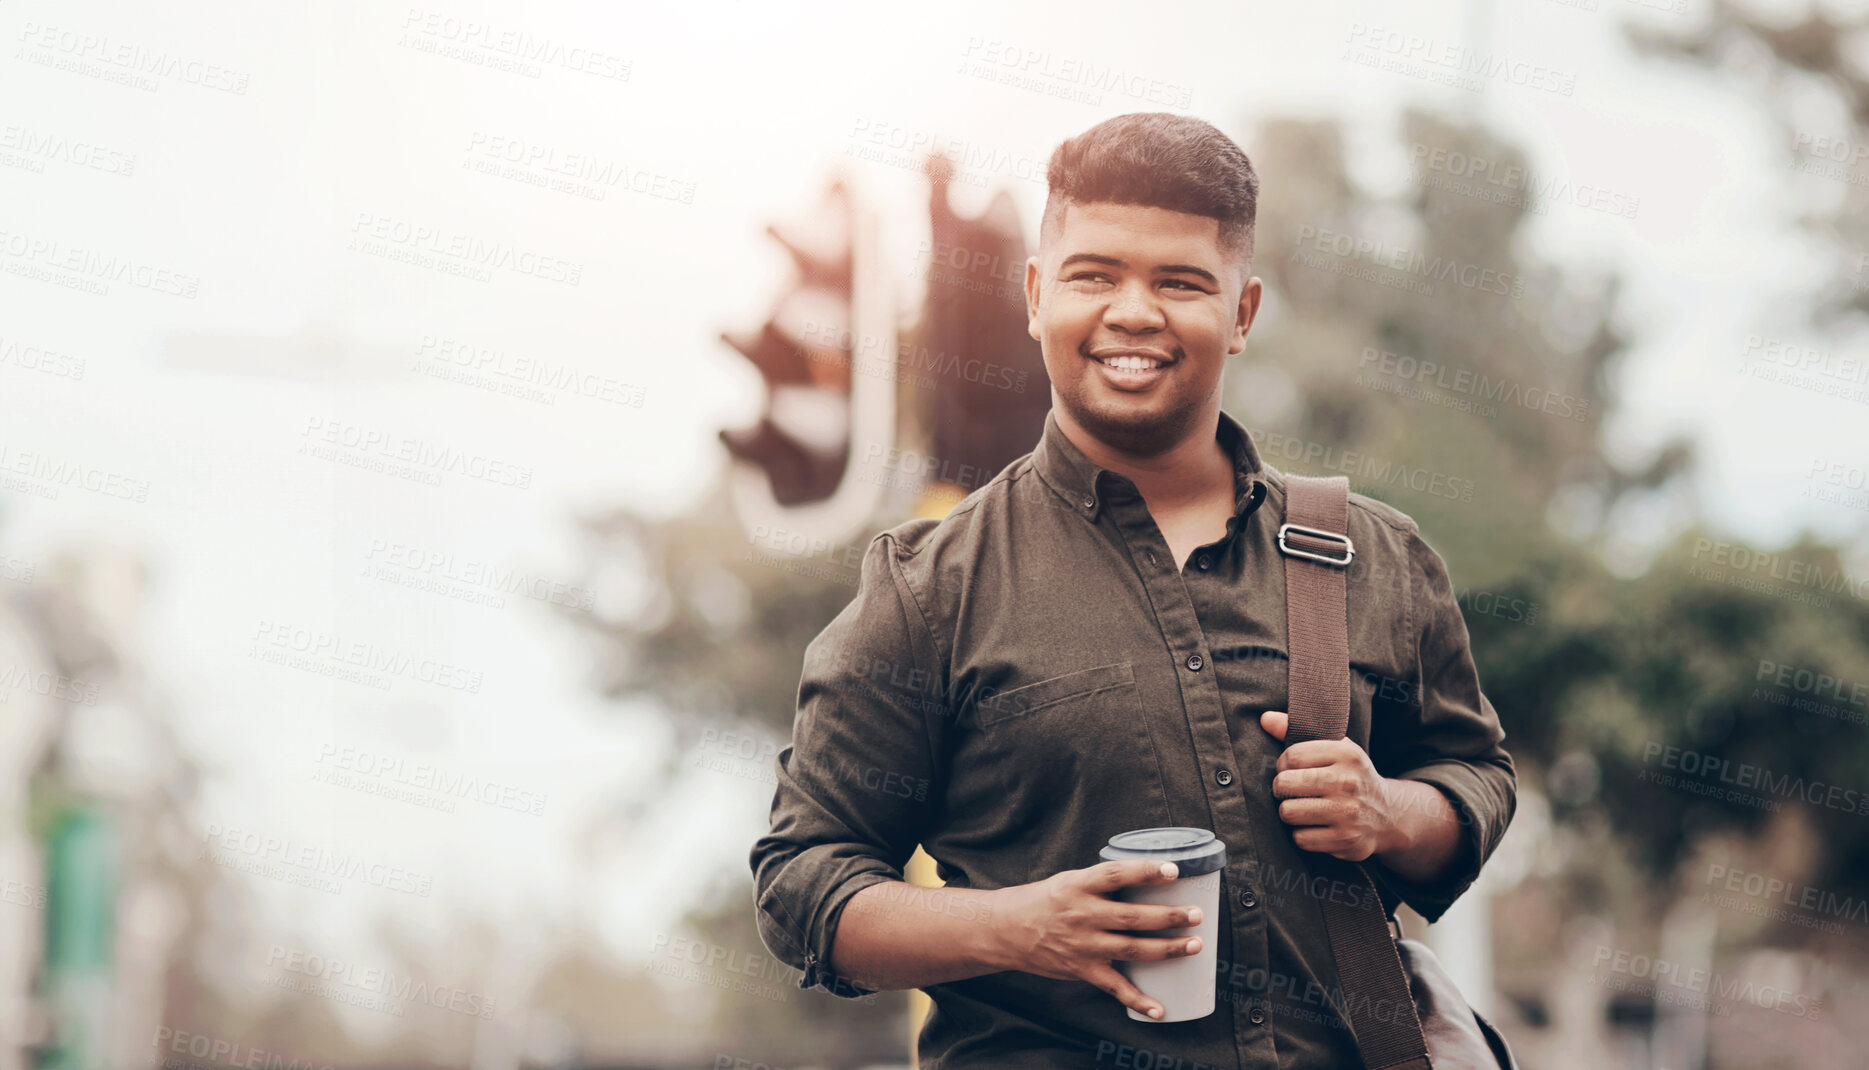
x,y
1193,851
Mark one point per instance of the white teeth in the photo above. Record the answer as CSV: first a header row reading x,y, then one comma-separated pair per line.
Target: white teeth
x,y
1129,363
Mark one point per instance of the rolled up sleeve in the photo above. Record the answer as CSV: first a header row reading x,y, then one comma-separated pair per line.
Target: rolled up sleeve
x,y
858,781
1449,736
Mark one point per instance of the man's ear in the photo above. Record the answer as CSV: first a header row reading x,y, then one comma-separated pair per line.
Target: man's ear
x,y
1250,295
1032,287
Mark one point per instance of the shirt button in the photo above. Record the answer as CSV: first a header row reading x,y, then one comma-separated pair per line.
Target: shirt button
x,y
1151,554
1248,900
1257,1016
1203,561
1195,663
1090,503
1223,777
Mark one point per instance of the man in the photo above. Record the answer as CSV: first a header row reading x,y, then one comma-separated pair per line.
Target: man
x,y
1095,642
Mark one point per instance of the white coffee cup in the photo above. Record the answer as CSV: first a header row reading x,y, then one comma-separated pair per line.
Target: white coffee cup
x,y
1183,985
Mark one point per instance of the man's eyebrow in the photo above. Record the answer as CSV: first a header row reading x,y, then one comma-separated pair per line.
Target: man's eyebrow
x,y
1187,269
1165,269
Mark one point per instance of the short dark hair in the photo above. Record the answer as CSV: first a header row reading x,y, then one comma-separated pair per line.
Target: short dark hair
x,y
1160,160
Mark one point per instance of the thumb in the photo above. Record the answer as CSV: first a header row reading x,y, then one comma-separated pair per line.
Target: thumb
x,y
1275,722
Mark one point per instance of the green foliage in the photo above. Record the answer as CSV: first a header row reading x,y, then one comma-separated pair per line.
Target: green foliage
x,y
1583,664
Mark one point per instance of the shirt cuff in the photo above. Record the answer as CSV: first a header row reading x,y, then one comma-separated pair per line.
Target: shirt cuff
x,y
807,946
1469,796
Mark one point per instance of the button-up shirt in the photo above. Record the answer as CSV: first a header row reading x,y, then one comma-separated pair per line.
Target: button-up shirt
x,y
1023,679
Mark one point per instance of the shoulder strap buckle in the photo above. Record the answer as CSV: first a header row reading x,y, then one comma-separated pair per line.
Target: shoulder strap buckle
x,y
1329,537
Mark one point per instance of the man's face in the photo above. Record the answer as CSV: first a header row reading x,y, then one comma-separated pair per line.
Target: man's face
x,y
1137,309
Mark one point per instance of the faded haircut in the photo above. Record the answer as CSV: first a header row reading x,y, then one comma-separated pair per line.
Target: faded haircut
x,y
1159,160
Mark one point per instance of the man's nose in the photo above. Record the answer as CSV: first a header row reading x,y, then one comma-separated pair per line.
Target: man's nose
x,y
1133,308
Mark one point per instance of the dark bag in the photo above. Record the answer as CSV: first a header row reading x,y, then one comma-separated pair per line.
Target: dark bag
x,y
1403,1008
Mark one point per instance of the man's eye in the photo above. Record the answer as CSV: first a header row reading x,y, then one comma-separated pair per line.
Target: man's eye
x,y
1082,275
1184,284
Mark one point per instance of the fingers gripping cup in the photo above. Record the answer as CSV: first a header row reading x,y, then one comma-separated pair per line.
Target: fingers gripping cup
x,y
1183,985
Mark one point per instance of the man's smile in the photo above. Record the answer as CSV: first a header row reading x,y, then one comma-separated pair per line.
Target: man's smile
x,y
1129,368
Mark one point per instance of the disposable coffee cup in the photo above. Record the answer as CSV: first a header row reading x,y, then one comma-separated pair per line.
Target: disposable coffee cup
x,y
1183,985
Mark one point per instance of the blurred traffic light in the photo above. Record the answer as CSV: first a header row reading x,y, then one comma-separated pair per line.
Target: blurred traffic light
x,y
990,392
967,382
803,351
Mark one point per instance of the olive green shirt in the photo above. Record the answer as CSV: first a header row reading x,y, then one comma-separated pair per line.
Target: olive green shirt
x,y
1018,682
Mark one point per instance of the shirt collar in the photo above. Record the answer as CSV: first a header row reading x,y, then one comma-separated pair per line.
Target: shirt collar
x,y
1077,479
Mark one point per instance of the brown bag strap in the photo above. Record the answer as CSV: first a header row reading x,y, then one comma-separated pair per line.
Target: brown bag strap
x,y
1316,543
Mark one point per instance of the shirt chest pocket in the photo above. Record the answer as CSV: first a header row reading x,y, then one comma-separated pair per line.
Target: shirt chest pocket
x,y
1058,766
995,706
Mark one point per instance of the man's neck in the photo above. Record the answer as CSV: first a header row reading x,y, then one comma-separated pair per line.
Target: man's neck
x,y
1188,471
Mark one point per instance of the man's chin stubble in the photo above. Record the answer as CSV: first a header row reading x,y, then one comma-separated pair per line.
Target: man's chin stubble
x,y
1137,434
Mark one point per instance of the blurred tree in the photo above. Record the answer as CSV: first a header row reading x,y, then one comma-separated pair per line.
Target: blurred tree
x,y
1810,75
1587,668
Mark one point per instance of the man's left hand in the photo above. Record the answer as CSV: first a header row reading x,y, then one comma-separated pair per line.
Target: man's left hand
x,y
1334,799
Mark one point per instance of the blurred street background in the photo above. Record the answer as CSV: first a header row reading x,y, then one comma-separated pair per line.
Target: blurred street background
x,y
430,434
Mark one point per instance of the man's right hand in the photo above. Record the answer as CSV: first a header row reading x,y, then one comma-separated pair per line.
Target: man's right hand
x,y
1064,927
